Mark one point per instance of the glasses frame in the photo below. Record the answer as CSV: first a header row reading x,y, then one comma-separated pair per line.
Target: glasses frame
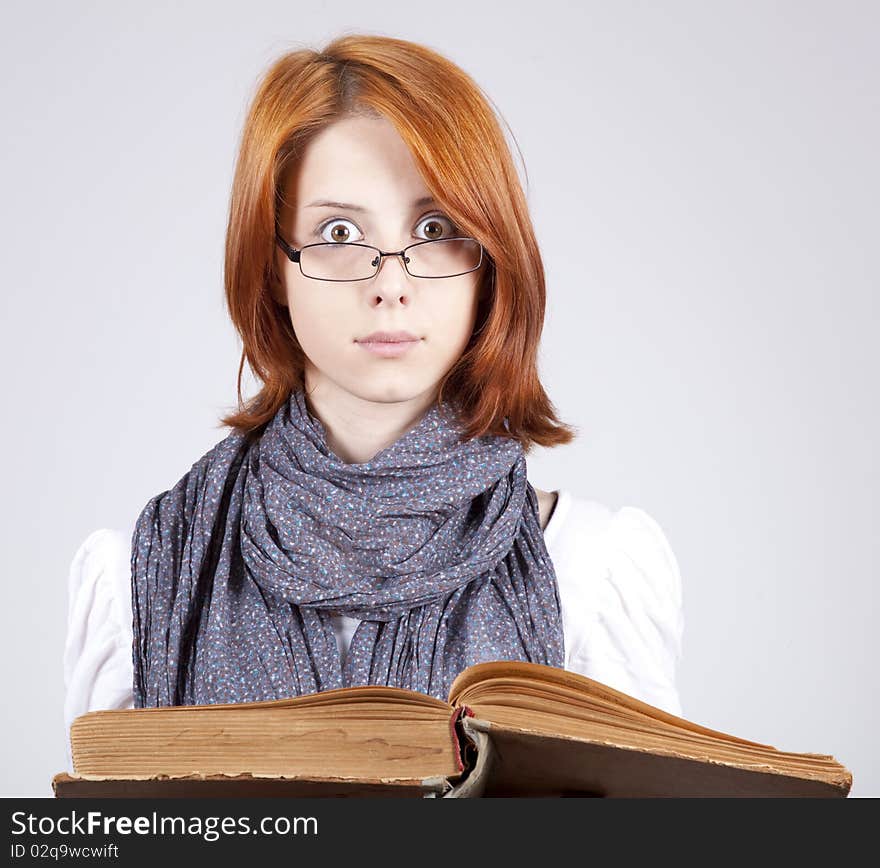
x,y
294,255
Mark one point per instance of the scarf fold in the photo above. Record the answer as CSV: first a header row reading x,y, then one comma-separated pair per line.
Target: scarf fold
x,y
434,545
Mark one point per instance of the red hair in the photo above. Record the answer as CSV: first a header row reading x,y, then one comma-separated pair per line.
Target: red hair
x,y
459,147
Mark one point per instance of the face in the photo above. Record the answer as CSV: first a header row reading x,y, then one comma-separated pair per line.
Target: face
x,y
364,163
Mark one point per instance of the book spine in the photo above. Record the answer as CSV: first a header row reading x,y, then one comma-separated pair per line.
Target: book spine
x,y
457,714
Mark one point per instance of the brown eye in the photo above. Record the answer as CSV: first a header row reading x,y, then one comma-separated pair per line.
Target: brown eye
x,y
339,231
437,227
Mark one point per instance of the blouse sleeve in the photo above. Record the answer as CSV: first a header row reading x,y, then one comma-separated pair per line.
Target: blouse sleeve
x,y
630,620
97,649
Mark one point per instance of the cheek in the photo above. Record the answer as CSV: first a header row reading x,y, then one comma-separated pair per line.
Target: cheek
x,y
318,316
454,310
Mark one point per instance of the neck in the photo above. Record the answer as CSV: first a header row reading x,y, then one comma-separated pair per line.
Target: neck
x,y
358,428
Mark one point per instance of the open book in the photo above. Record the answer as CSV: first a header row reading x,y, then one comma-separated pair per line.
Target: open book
x,y
509,728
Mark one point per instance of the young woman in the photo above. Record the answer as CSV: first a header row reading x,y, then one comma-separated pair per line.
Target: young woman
x,y
368,519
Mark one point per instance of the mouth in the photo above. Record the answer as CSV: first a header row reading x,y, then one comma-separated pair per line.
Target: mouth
x,y
388,337
388,348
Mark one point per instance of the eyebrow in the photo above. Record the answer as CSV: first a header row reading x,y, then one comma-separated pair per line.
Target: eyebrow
x,y
348,206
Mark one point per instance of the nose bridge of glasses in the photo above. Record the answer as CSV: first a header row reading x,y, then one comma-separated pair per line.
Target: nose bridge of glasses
x,y
381,256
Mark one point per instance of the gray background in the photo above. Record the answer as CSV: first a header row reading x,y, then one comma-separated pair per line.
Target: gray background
x,y
703,179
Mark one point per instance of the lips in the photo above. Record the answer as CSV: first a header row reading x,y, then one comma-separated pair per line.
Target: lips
x,y
389,345
388,338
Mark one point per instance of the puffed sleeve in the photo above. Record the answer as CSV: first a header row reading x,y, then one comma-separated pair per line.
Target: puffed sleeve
x,y
97,648
626,619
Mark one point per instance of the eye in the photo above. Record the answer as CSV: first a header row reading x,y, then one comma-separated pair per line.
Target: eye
x,y
338,233
437,226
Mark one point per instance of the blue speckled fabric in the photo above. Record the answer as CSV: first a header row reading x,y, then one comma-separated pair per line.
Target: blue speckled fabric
x,y
434,545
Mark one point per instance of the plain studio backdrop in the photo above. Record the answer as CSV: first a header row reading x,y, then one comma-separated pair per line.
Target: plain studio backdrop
x,y
703,179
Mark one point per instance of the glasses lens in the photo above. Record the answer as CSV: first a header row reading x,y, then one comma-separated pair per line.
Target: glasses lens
x,y
445,257
338,261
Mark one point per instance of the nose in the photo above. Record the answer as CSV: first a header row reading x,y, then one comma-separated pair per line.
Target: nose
x,y
391,285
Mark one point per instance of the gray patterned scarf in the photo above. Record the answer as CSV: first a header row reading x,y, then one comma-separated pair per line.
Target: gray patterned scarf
x,y
434,545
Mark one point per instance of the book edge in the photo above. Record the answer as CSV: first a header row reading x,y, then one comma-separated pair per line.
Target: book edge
x,y
843,781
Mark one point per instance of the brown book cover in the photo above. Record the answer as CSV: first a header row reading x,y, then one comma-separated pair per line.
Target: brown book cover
x,y
508,728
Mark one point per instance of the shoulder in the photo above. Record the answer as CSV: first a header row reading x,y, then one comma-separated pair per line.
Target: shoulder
x,y
621,591
628,538
100,576
196,497
100,551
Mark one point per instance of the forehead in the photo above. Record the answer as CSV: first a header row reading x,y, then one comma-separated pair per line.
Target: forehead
x,y
360,160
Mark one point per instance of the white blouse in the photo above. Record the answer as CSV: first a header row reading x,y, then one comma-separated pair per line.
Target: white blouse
x,y
619,589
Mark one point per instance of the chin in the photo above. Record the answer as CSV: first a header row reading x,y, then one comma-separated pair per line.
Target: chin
x,y
393,391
